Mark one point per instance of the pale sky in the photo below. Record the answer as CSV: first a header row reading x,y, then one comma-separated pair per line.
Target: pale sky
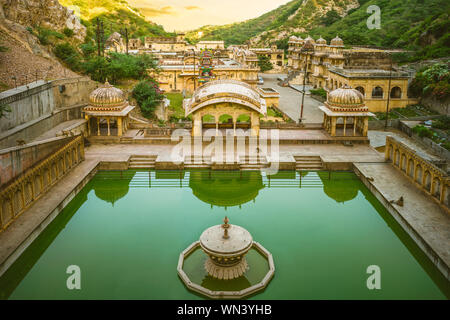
x,y
183,15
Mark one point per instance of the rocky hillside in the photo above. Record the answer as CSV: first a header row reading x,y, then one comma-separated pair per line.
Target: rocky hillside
x,y
296,16
115,15
22,54
419,25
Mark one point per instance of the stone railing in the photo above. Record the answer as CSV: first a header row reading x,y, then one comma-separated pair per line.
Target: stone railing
x,y
18,195
428,177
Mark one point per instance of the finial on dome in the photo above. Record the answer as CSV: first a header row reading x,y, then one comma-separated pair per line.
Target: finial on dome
x,y
225,227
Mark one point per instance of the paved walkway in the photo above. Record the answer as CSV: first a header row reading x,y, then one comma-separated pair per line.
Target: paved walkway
x,y
291,99
16,238
423,215
378,139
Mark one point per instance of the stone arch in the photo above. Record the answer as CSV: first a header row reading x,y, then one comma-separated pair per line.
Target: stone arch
x,y
377,92
436,187
397,158
361,89
411,168
403,162
391,152
427,180
419,173
396,92
244,117
208,118
225,118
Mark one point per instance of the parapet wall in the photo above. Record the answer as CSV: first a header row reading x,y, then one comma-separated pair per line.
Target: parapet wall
x,y
14,161
40,106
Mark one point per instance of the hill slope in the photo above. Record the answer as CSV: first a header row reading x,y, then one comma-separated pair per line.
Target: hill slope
x,y
421,25
115,15
294,16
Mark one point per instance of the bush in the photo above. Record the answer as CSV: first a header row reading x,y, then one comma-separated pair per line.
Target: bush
x,y
442,123
148,96
68,32
319,92
68,55
423,131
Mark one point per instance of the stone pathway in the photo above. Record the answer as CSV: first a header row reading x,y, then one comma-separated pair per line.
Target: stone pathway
x,y
422,217
290,101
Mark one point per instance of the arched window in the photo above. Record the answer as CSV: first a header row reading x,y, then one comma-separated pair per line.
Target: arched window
x,y
361,89
377,92
396,93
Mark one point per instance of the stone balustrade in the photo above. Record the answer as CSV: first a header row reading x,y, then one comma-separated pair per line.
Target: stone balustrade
x,y
17,196
428,177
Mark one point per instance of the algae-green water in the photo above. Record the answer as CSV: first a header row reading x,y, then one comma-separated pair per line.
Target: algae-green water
x,y
125,231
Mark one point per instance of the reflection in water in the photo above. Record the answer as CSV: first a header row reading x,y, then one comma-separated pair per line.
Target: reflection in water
x,y
336,186
226,189
111,186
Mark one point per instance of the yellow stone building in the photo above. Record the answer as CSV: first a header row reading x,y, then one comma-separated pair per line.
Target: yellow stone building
x,y
180,73
107,112
345,113
230,98
332,66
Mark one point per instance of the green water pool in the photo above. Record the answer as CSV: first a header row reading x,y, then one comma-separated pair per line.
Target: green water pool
x,y
125,230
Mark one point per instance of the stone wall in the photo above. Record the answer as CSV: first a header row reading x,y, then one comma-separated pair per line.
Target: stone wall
x,y
40,106
14,161
443,107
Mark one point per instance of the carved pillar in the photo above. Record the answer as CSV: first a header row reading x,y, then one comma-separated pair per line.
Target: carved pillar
x,y
98,126
107,121
345,125
333,126
119,126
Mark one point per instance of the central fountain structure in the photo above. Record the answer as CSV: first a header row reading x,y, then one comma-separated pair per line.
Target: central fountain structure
x,y
225,247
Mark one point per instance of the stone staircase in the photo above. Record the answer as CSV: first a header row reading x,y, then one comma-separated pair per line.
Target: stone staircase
x,y
308,163
142,162
197,161
253,162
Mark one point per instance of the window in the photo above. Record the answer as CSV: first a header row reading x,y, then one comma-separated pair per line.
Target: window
x,y
377,92
396,93
361,89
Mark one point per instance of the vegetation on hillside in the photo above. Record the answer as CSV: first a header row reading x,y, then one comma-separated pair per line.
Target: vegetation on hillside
x,y
421,26
432,81
115,15
238,33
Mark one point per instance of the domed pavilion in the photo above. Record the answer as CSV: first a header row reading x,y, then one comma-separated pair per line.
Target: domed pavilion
x,y
345,113
107,112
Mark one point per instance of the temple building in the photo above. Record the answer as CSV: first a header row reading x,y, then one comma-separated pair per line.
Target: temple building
x,y
230,99
331,66
181,72
345,113
275,55
107,111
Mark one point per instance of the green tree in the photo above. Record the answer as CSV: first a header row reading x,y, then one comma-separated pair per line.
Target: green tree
x,y
148,96
264,63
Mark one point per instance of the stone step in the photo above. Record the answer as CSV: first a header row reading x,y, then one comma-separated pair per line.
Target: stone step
x,y
141,166
138,163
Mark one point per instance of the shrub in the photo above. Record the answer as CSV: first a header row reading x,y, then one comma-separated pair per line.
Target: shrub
x,y
147,95
68,32
423,131
68,55
319,92
442,123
